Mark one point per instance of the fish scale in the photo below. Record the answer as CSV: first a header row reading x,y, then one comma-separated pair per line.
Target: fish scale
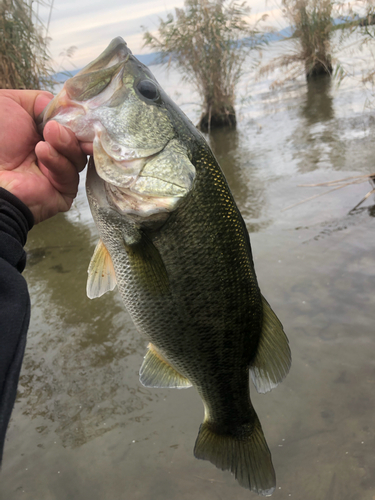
x,y
174,242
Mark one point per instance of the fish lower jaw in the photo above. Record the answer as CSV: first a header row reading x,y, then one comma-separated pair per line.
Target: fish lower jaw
x,y
70,114
76,120
128,203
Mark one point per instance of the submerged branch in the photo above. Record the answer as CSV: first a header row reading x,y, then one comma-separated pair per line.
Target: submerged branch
x,y
339,181
342,183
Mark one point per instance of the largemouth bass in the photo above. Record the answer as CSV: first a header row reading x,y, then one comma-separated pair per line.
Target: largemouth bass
x,y
174,242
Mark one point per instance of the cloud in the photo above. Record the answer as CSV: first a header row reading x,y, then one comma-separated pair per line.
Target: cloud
x,y
91,24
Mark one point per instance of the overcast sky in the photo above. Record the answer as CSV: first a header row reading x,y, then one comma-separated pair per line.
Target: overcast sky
x,y
91,24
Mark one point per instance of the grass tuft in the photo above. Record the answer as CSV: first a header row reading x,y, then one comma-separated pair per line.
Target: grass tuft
x,y
25,62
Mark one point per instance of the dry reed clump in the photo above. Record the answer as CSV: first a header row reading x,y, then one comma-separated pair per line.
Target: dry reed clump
x,y
314,27
209,41
24,58
366,25
312,24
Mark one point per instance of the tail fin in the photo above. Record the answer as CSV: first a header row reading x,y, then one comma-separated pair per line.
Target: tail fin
x,y
245,453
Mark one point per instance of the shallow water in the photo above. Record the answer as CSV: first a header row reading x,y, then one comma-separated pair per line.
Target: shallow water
x,y
84,428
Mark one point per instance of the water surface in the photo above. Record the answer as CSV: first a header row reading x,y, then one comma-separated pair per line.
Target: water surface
x,y
83,427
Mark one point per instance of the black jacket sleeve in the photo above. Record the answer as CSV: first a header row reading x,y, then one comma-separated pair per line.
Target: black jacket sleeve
x,y
15,222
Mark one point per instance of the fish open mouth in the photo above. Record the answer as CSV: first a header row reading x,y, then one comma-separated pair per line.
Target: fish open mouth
x,y
116,104
91,88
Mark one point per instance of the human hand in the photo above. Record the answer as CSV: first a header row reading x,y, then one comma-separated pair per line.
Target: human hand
x,y
43,175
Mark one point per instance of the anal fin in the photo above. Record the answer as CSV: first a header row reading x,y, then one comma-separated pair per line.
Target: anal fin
x,y
158,373
101,274
273,358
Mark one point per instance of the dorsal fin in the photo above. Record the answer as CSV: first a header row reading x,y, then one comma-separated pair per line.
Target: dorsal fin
x,y
101,273
157,372
273,358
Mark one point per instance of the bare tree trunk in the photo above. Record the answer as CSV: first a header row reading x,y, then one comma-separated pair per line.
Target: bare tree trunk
x,y
319,67
214,117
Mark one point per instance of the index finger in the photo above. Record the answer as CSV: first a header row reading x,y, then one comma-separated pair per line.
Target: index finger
x,y
32,101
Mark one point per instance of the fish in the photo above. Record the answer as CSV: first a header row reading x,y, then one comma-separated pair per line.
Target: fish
x,y
173,241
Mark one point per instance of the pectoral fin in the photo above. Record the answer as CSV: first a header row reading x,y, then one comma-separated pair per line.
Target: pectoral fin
x,y
273,358
157,372
101,273
147,265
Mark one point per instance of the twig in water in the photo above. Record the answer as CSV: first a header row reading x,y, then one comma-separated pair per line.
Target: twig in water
x,y
343,183
364,199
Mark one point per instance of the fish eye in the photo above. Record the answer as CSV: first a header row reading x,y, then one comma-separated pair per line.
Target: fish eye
x,y
148,89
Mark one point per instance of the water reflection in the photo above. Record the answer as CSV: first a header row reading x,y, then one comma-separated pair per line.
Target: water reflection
x,y
318,106
80,352
371,211
240,170
317,140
